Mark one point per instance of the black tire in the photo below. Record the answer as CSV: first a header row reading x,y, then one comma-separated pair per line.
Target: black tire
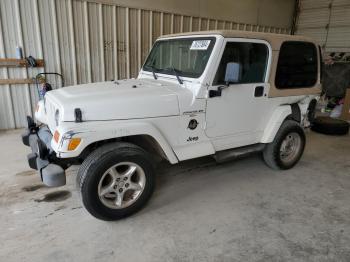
x,y
94,167
272,151
330,126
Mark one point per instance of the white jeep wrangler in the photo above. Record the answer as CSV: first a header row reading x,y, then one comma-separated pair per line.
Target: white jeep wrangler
x,y
219,93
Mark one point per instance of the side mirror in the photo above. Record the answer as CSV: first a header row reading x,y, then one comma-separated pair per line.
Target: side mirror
x,y
233,73
214,93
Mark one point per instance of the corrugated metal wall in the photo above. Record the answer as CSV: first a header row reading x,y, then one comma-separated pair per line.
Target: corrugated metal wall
x,y
327,21
85,41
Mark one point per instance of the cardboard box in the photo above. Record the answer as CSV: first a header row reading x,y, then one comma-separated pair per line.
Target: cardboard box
x,y
345,115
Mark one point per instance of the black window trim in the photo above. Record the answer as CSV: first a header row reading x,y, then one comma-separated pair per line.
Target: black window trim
x,y
320,62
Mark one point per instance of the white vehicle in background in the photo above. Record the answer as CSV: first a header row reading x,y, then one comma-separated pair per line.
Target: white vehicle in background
x,y
219,93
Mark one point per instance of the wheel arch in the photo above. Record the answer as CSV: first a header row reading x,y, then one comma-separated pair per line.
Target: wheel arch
x,y
280,114
145,141
296,113
141,133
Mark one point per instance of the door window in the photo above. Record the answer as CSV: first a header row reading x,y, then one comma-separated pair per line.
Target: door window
x,y
297,65
252,58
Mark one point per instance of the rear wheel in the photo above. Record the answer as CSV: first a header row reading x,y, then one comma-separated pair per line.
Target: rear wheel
x,y
287,147
116,181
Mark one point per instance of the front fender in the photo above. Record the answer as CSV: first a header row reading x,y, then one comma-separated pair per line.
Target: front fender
x,y
275,122
91,132
40,114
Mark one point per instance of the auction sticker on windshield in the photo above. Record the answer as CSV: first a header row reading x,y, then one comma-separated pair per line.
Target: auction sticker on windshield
x,y
200,45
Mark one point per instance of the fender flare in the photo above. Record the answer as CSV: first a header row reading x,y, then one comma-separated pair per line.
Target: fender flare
x,y
275,122
90,132
296,112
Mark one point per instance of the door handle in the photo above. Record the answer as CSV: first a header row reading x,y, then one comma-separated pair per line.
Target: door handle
x,y
259,91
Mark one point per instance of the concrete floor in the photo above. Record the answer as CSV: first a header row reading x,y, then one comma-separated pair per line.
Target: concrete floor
x,y
238,211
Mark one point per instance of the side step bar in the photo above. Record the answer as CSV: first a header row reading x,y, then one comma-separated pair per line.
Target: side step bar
x,y
230,154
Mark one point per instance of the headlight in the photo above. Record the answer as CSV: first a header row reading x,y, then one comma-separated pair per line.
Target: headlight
x,y
57,117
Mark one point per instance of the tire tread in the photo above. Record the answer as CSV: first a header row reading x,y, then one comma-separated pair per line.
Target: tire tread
x,y
330,126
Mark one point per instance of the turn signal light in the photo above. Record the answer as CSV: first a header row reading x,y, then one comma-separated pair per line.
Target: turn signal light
x,y
73,144
56,136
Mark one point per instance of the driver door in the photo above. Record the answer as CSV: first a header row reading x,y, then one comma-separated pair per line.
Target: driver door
x,y
235,118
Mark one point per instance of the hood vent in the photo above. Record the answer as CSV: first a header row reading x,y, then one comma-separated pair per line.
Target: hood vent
x,y
78,115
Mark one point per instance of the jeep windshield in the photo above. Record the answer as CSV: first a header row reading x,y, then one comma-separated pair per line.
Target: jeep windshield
x,y
186,57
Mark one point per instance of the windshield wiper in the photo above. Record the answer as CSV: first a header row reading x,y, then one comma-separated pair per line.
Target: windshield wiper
x,y
176,72
153,72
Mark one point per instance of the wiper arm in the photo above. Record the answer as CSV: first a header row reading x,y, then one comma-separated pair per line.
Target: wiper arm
x,y
153,72
176,74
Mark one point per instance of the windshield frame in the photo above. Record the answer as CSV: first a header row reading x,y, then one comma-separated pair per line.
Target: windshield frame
x,y
213,42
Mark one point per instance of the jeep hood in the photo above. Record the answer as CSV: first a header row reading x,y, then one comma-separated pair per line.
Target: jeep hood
x,y
116,100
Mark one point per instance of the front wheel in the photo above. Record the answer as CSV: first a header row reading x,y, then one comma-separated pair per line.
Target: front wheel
x,y
116,181
287,147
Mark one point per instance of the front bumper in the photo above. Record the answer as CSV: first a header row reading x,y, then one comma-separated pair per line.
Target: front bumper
x,y
42,157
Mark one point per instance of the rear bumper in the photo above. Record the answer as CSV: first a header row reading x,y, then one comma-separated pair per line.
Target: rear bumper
x,y
42,157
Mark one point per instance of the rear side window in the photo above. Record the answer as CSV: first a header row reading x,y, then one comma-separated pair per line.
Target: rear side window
x,y
297,65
